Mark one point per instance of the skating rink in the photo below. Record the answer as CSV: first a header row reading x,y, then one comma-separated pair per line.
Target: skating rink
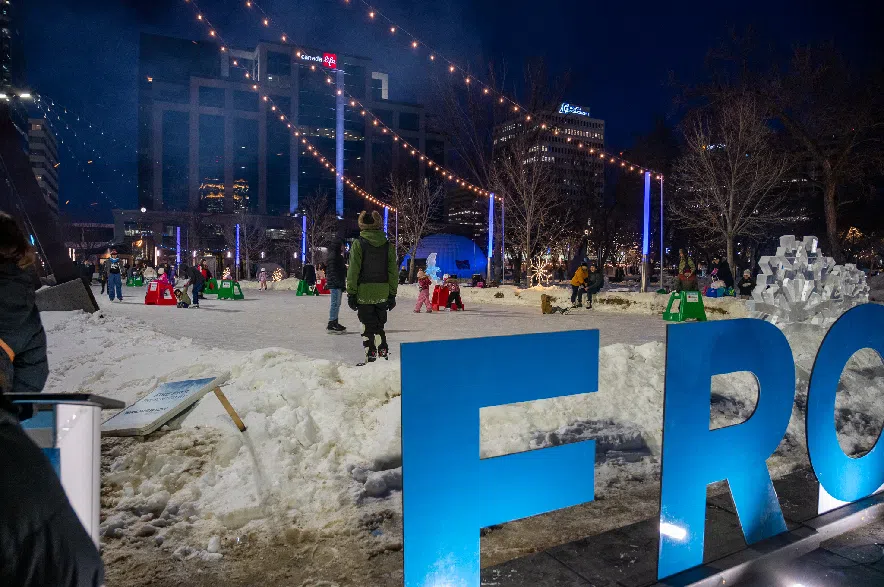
x,y
282,319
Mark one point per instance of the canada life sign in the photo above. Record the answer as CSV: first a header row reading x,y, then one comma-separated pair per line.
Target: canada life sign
x,y
450,493
329,60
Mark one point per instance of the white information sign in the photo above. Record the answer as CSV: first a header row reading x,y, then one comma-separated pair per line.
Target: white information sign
x,y
155,409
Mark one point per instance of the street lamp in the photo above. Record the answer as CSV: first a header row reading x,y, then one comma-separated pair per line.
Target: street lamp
x,y
143,209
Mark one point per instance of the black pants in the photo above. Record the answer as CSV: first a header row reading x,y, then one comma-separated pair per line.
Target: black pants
x,y
577,294
454,298
373,318
589,294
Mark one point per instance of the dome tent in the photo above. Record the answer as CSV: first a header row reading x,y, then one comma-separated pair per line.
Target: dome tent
x,y
455,255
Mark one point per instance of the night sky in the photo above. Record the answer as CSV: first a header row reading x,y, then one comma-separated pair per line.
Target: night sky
x,y
622,56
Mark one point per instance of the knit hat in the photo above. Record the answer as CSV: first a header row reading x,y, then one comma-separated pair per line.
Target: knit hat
x,y
160,271
372,222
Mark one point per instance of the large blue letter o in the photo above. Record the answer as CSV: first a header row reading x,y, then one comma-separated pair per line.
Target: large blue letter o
x,y
843,477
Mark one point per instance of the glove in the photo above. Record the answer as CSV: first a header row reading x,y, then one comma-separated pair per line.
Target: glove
x,y
391,302
352,302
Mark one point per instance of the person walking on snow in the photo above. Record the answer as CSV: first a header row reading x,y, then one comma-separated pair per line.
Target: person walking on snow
x,y
423,296
262,279
372,283
114,277
336,281
578,285
594,284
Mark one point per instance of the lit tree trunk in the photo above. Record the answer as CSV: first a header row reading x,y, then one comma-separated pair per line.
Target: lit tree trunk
x,y
730,255
831,210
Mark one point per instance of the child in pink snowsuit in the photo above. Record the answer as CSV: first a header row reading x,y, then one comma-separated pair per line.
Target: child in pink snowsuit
x,y
423,297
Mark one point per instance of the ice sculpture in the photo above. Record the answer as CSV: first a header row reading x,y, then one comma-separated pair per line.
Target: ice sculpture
x,y
800,284
432,271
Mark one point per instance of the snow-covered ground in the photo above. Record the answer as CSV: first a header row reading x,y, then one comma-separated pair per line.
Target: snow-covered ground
x,y
322,453
282,319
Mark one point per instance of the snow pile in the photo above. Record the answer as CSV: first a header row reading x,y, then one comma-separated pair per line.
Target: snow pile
x,y
800,284
323,449
287,284
617,299
876,288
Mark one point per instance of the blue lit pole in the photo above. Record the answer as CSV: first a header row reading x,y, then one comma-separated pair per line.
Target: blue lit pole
x,y
490,235
646,232
177,249
386,218
662,250
237,252
304,239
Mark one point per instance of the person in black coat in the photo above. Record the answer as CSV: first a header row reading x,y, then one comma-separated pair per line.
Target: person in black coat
x,y
336,282
724,271
194,278
42,542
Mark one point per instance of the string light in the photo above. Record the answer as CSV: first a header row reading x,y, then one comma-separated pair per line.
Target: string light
x,y
405,145
385,129
452,67
365,195
83,168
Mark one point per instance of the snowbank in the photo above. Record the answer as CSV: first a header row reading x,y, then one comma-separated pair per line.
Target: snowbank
x,y
607,301
323,440
288,284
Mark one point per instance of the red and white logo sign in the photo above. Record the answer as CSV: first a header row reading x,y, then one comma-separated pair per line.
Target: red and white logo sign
x,y
330,60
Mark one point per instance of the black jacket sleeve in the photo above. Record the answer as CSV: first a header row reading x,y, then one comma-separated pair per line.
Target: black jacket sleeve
x,y
42,542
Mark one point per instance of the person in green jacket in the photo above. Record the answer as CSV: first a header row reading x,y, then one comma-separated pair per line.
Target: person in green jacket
x,y
372,282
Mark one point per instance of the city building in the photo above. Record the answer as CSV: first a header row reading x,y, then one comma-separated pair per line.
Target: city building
x,y
10,56
13,92
577,175
466,214
210,143
43,151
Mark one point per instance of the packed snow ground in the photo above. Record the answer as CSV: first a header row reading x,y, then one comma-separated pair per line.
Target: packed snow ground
x,y
322,451
282,319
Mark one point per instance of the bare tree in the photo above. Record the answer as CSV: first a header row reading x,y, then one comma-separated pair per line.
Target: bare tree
x,y
523,176
414,202
731,176
252,238
835,118
322,223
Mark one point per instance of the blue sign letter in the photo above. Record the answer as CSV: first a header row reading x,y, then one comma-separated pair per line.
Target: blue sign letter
x,y
694,456
449,492
843,477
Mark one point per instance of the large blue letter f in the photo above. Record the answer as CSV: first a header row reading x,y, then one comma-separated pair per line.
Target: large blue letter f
x,y
449,492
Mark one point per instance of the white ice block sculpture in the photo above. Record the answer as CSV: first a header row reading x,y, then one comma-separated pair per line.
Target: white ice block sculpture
x,y
801,284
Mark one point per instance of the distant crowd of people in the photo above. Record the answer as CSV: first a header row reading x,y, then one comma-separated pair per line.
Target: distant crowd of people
x,y
719,272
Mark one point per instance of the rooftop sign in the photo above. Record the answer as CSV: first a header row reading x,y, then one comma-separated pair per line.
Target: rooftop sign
x,y
329,60
566,108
